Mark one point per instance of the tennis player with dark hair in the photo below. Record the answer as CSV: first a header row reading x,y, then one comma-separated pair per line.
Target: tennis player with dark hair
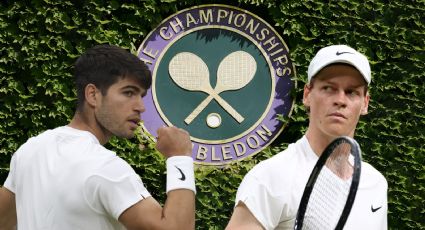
x,y
335,96
65,178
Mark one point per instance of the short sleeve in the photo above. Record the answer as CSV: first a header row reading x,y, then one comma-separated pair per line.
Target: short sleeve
x,y
265,208
115,190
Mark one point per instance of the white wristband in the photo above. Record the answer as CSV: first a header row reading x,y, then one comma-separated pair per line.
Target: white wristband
x,y
180,173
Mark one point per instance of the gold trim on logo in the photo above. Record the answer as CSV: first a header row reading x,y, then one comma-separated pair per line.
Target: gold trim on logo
x,y
272,76
151,55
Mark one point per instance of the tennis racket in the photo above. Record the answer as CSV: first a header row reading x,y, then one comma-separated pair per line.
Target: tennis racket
x,y
331,188
190,72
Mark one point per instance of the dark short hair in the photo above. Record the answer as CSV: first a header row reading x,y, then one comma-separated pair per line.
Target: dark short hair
x,y
104,65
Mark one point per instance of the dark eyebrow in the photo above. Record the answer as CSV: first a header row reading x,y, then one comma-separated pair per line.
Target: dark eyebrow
x,y
135,88
130,87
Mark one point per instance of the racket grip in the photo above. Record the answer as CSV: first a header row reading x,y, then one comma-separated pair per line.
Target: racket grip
x,y
229,109
220,101
198,110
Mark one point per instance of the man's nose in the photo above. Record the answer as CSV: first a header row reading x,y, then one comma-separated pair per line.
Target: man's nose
x,y
140,105
340,98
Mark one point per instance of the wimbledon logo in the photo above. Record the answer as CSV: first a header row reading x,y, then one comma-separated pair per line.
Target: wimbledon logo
x,y
224,75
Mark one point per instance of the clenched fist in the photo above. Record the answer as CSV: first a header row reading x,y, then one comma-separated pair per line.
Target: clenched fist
x,y
173,141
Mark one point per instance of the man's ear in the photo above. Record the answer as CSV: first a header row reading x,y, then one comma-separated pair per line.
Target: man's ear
x,y
365,104
306,93
91,95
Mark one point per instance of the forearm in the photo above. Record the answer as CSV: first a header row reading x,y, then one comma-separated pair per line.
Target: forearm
x,y
8,226
7,209
177,213
242,218
179,209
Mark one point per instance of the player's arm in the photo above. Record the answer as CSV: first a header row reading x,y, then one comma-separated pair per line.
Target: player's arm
x,y
7,209
178,211
242,218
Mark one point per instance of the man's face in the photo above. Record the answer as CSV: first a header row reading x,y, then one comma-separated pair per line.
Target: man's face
x,y
118,112
336,99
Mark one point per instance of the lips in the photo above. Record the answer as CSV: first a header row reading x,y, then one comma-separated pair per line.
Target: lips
x,y
134,120
337,115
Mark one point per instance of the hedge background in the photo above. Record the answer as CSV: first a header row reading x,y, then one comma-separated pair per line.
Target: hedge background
x,y
40,40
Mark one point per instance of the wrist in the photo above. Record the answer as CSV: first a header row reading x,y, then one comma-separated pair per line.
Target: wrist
x,y
180,173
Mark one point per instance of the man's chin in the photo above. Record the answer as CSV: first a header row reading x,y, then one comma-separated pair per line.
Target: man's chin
x,y
128,135
338,130
339,134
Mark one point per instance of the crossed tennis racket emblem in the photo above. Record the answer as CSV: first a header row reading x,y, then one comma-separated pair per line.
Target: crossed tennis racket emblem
x,y
234,72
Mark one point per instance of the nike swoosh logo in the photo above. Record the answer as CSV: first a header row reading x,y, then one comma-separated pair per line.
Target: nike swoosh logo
x,y
340,53
375,209
183,178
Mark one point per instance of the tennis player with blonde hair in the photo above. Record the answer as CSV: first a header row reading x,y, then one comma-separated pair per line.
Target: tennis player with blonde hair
x,y
335,96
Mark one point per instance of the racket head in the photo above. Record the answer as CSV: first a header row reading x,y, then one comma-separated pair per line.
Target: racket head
x,y
189,72
327,201
235,71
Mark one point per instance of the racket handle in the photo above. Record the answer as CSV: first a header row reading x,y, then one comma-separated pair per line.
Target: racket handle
x,y
198,110
220,101
229,109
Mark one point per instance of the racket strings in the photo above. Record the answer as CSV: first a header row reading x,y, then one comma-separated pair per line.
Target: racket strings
x,y
330,192
189,71
339,161
236,70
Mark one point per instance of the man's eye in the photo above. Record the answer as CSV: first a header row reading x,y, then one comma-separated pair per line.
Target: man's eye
x,y
128,93
352,92
327,88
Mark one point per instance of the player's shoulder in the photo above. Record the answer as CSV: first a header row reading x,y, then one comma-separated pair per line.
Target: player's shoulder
x,y
84,147
371,177
54,135
38,141
280,174
297,151
278,161
114,170
286,162
109,165
41,137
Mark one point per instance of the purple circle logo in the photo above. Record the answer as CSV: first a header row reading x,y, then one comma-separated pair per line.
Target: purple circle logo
x,y
224,75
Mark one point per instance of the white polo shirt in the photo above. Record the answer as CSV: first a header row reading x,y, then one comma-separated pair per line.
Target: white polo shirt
x,y
272,190
65,179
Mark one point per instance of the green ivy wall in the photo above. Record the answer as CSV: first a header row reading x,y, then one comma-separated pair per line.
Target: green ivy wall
x,y
40,40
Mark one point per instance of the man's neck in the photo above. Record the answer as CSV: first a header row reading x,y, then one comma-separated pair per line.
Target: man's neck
x,y
317,142
88,123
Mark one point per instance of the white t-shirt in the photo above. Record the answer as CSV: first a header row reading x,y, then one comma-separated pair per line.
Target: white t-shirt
x,y
272,190
64,179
